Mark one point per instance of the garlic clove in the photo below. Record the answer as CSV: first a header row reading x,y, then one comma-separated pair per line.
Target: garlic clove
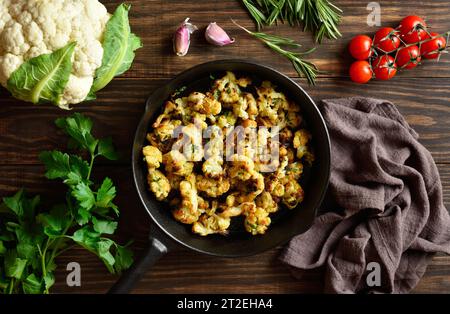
x,y
182,37
215,35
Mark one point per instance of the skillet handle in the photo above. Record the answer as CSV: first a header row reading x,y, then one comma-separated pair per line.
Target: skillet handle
x,y
151,255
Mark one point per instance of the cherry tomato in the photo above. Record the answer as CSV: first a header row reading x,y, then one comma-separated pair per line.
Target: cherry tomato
x,y
360,71
384,67
360,47
432,48
386,39
412,29
408,57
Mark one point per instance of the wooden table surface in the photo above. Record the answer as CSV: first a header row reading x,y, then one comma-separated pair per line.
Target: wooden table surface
x,y
422,95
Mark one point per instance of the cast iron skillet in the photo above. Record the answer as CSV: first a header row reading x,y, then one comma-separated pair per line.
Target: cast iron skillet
x,y
287,223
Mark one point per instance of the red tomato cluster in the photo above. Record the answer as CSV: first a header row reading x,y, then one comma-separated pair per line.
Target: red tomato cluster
x,y
392,49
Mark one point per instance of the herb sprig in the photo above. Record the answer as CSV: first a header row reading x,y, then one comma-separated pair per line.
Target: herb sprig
x,y
32,237
319,16
303,67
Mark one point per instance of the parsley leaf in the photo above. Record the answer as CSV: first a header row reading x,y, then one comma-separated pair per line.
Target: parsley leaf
x,y
72,169
14,266
32,285
106,149
83,193
20,205
106,193
55,221
104,226
123,257
78,127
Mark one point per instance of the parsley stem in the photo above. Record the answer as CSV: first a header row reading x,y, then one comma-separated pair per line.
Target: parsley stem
x,y
55,249
64,250
11,285
43,265
91,164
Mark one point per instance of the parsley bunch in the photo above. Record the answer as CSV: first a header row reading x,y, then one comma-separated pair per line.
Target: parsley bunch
x,y
32,237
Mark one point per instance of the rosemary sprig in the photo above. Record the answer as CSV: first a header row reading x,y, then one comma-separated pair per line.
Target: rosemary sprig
x,y
320,16
304,68
257,15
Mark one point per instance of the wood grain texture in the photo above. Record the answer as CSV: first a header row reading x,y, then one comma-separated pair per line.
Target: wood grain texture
x,y
422,95
188,272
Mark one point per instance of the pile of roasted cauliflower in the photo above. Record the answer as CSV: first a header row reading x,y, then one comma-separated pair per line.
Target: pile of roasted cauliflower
x,y
209,172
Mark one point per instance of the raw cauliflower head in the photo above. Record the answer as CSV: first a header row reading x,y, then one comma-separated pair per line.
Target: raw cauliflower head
x,y
29,28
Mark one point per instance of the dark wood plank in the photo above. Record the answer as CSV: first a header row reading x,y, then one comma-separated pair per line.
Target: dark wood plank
x,y
156,20
25,130
188,272
437,277
184,271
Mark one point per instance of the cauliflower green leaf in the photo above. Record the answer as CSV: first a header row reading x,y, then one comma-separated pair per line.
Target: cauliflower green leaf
x,y
43,78
119,45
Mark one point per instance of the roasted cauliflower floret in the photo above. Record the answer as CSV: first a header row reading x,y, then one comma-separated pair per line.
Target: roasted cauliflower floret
x,y
274,186
188,211
300,141
231,211
204,103
158,184
285,136
242,167
255,185
257,220
190,142
287,152
213,187
236,198
153,156
228,88
275,181
251,124
172,109
293,119
166,128
214,148
294,170
293,194
211,224
203,205
163,146
245,107
174,180
266,202
269,103
226,120
176,163
212,167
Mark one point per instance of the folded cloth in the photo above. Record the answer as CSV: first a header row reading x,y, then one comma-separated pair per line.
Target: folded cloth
x,y
390,190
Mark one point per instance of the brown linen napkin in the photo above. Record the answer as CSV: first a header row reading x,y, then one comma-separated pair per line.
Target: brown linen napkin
x,y
390,190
